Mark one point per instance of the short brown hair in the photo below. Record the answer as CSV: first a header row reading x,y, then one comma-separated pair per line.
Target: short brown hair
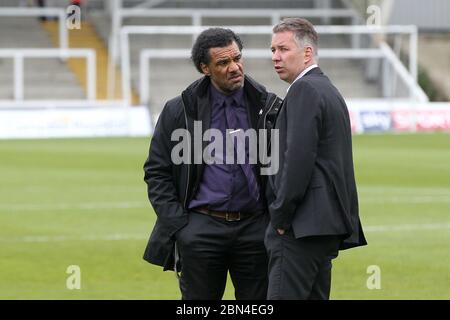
x,y
304,31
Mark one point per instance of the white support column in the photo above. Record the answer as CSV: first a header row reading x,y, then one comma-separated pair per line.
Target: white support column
x,y
113,46
125,67
63,33
91,76
413,52
355,37
397,50
144,90
18,77
386,79
196,21
111,71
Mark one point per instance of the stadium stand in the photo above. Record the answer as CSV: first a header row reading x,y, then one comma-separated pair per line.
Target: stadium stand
x,y
27,32
348,74
380,83
87,37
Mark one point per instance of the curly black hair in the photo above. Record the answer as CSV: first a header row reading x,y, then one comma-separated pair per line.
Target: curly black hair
x,y
212,38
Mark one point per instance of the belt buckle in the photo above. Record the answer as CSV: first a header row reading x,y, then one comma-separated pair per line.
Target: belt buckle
x,y
229,218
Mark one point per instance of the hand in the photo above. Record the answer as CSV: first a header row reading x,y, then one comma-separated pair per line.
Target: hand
x,y
281,231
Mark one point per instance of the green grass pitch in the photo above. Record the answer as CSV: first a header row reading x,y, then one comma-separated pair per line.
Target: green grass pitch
x,y
83,202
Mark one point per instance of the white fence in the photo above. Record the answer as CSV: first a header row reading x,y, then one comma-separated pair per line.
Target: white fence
x,y
21,118
38,12
20,54
197,16
384,53
409,77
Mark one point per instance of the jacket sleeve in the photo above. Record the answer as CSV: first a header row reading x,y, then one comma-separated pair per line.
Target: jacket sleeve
x,y
159,174
303,124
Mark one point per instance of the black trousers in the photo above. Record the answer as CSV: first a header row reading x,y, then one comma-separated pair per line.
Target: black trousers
x,y
300,269
210,247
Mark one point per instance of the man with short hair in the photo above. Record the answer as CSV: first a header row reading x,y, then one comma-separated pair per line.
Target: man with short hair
x,y
211,215
313,201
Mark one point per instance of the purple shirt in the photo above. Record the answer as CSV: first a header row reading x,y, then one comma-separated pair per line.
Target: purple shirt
x,y
223,187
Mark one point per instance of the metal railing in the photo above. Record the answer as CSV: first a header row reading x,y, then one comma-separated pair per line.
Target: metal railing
x,y
38,12
19,55
409,79
415,90
384,53
197,15
118,14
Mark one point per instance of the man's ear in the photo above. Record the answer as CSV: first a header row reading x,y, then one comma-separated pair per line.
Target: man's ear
x,y
309,54
205,69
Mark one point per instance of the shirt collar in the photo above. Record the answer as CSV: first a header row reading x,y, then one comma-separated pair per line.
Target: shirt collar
x,y
302,74
219,97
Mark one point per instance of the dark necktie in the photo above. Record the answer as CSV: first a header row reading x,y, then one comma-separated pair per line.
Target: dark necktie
x,y
230,112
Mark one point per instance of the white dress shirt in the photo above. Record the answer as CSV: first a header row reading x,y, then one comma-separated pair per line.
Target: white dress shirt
x,y
302,74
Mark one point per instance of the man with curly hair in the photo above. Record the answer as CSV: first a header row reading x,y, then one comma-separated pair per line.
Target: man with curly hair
x,y
211,217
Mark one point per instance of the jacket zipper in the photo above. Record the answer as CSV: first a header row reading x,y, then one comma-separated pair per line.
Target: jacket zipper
x,y
265,117
189,166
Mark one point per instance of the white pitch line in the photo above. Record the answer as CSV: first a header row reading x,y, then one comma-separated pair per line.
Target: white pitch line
x,y
40,239
407,227
73,206
389,190
406,199
124,237
145,204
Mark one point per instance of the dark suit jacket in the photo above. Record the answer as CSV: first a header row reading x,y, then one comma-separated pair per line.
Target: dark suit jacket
x,y
314,190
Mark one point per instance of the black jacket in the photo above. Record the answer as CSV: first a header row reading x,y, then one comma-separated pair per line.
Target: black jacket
x,y
314,191
171,186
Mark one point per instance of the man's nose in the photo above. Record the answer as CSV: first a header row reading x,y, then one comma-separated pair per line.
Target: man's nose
x,y
275,56
233,66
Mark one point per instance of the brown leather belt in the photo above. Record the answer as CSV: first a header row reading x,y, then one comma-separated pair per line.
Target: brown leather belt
x,y
228,216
